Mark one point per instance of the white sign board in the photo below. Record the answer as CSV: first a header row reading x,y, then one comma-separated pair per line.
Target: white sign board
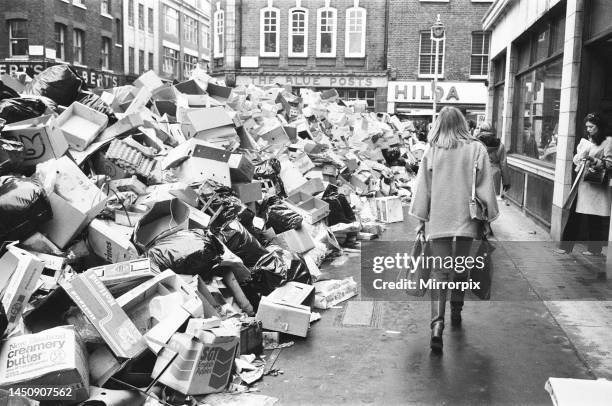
x,y
314,81
447,92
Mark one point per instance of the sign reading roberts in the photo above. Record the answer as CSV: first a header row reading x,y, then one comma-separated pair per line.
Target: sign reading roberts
x,y
92,77
447,92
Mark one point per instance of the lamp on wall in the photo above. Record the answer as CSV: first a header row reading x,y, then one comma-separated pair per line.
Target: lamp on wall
x,y
438,34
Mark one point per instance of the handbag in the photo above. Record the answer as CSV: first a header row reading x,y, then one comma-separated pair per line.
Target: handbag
x,y
596,175
421,272
478,210
484,275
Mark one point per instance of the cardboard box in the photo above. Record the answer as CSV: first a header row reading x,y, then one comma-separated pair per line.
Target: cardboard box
x,y
294,293
303,163
163,219
199,161
251,337
574,392
248,192
42,140
81,125
389,209
105,166
241,168
185,304
286,318
75,202
219,93
103,311
20,273
275,135
312,186
331,292
198,219
150,80
298,241
201,367
53,357
128,184
109,243
126,124
192,92
136,270
310,208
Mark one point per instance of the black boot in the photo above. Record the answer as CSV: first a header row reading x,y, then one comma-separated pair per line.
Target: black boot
x,y
436,336
455,317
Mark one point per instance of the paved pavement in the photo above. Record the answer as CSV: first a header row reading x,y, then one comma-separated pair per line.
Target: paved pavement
x,y
550,319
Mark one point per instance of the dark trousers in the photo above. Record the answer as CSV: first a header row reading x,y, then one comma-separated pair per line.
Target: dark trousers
x,y
443,248
596,231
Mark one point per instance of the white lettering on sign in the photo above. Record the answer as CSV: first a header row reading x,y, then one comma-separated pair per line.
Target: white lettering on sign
x,y
92,77
314,81
446,92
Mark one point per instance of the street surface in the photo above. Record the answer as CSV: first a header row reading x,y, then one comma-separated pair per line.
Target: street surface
x,y
378,352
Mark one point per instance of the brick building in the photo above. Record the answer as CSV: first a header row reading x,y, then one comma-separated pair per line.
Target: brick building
x,y
35,34
318,44
462,63
184,37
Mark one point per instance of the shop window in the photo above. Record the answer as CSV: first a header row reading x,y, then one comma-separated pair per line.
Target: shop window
x,y
171,61
479,66
427,56
106,53
499,75
219,38
77,46
60,41
367,95
298,32
326,31
131,57
170,20
269,30
150,20
131,13
190,62
536,119
355,31
18,37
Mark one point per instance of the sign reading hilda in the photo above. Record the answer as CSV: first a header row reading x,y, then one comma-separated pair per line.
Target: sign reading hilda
x,y
446,92
92,77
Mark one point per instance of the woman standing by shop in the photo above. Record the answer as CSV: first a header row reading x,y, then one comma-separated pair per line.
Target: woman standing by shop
x,y
594,200
441,201
497,156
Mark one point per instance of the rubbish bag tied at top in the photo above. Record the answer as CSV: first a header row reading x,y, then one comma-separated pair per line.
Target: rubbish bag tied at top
x,y
60,83
279,216
24,205
242,243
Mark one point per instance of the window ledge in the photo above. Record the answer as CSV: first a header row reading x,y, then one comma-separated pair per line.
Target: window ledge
x,y
276,55
325,56
110,17
428,76
119,45
18,58
532,166
66,1
479,77
78,65
107,70
297,56
80,6
354,57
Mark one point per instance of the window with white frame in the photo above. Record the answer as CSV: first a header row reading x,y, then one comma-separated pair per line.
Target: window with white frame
x,y
189,64
80,3
18,37
141,61
269,30
205,36
427,56
105,53
171,20
150,20
355,31
60,41
298,31
479,65
141,18
170,61
327,21
219,35
77,46
105,7
190,29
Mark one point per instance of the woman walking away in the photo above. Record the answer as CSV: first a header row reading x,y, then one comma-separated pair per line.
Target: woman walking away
x,y
497,156
592,205
441,200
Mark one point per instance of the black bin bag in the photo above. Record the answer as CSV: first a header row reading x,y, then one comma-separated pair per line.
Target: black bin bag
x,y
242,243
60,83
279,216
22,108
340,210
276,269
187,252
24,205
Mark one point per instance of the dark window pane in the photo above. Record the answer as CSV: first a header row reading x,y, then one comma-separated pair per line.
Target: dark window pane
x,y
326,43
298,43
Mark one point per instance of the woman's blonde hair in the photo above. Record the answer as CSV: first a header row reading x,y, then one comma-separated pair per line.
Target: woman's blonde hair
x,y
449,129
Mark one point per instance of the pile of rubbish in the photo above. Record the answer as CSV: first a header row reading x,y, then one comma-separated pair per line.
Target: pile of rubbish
x,y
158,236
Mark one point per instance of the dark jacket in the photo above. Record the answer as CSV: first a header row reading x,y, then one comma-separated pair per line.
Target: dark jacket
x,y
497,157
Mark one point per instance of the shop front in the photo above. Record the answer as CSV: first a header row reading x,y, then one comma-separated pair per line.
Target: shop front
x,y
371,89
414,99
92,77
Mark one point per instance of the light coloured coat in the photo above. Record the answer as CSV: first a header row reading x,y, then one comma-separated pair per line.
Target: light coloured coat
x,y
595,199
444,186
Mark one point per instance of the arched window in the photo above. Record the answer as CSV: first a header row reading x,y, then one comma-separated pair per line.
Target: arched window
x,y
298,31
219,33
327,27
355,31
269,25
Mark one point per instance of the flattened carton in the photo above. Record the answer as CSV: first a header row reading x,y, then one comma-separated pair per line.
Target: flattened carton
x,y
200,367
53,357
